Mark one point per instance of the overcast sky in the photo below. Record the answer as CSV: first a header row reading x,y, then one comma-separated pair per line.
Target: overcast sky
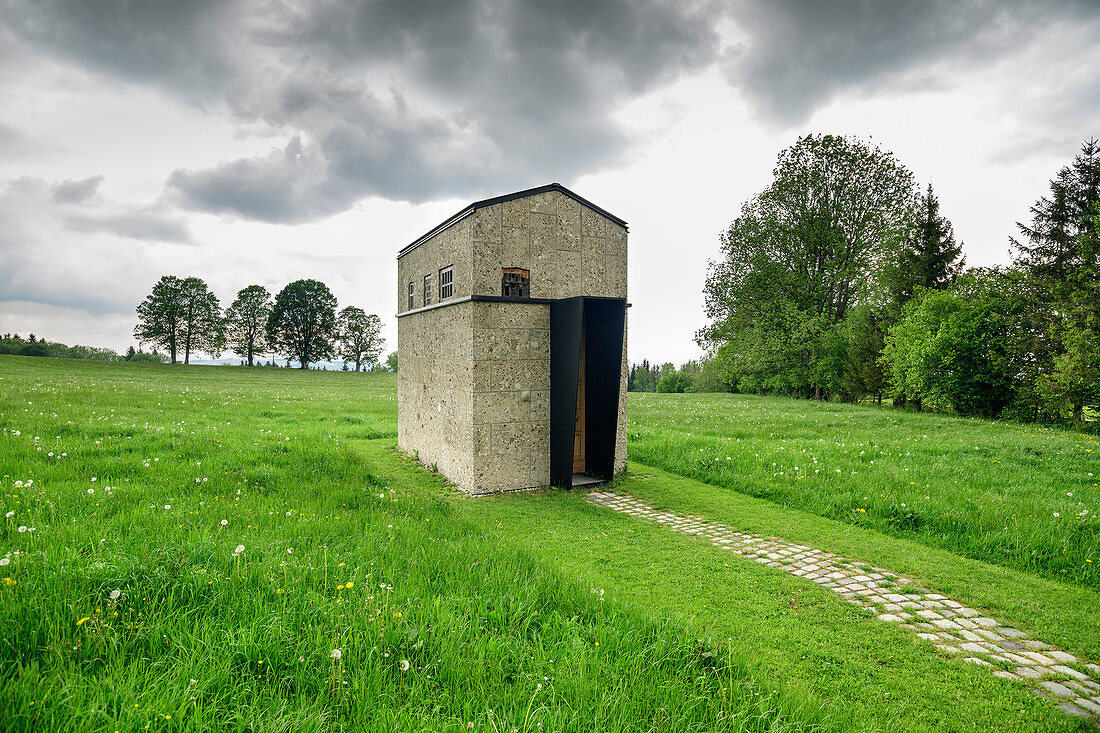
x,y
263,142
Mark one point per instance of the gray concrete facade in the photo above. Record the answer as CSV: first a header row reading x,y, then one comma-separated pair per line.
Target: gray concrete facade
x,y
474,367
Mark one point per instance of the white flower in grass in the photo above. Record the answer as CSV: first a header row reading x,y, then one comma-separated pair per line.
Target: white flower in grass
x,y
115,595
1056,514
9,515
404,665
22,528
336,654
167,506
238,551
4,561
225,522
94,479
91,491
19,484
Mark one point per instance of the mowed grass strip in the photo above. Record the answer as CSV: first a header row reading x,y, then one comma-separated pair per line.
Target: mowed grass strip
x,y
201,548
1018,496
870,675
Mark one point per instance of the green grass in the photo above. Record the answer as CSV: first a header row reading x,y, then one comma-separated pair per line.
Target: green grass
x,y
157,474
1018,496
486,599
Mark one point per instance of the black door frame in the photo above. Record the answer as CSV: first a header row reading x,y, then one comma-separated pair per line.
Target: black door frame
x,y
603,321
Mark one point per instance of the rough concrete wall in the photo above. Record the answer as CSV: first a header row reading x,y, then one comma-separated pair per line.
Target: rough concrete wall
x,y
449,247
569,249
511,396
435,389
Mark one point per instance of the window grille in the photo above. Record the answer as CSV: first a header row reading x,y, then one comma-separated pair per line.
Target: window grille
x,y
427,290
446,282
515,283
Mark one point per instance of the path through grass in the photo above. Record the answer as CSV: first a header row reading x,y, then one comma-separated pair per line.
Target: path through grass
x,y
1019,496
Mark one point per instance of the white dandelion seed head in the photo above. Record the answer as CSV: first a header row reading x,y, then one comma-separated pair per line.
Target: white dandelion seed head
x,y
19,484
225,522
404,665
22,528
239,550
336,654
9,515
4,561
115,595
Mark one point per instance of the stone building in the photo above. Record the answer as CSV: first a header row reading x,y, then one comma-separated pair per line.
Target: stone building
x,y
512,343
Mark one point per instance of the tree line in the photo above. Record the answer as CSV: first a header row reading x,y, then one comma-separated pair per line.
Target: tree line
x,y
182,316
842,280
34,346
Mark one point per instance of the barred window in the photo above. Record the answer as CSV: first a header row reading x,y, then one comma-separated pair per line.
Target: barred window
x,y
515,283
427,290
411,306
446,282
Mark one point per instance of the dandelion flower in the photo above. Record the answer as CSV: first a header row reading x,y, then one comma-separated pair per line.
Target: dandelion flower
x,y
115,594
404,665
81,621
239,550
350,584
19,484
336,654
22,528
4,561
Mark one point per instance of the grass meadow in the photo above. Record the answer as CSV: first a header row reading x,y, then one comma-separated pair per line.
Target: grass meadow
x,y
201,548
1019,496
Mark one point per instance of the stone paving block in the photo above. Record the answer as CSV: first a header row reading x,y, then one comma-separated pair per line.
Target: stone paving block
x,y
1005,674
1061,656
1039,658
1028,672
1058,689
1069,672
1074,710
1089,705
889,617
975,660
1009,632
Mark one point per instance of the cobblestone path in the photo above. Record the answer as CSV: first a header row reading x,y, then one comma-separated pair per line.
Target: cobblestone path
x,y
951,626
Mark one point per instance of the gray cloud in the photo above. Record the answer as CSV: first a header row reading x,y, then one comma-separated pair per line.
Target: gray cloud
x,y
408,100
144,223
800,53
187,46
70,191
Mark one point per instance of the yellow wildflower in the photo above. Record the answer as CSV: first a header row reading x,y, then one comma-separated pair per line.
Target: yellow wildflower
x,y
81,621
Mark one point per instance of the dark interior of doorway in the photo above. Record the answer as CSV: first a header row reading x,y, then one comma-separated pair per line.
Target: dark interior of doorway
x,y
586,351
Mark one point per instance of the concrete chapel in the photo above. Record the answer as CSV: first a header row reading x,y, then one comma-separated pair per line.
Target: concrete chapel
x,y
512,343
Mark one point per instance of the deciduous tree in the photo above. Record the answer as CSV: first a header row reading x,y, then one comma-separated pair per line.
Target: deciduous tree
x,y
360,336
302,323
246,321
811,246
160,315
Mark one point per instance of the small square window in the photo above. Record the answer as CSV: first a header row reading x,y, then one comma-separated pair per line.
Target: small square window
x,y
446,282
411,305
427,290
515,283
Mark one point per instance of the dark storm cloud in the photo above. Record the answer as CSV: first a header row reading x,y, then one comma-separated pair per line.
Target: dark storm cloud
x,y
76,191
420,99
407,100
492,96
800,53
186,45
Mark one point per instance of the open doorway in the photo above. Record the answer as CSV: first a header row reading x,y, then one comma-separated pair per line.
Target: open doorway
x,y
586,352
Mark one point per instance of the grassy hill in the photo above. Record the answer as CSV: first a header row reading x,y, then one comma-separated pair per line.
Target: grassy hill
x,y
219,548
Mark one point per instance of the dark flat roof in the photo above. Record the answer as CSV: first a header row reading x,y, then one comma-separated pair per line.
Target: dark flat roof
x,y
508,197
